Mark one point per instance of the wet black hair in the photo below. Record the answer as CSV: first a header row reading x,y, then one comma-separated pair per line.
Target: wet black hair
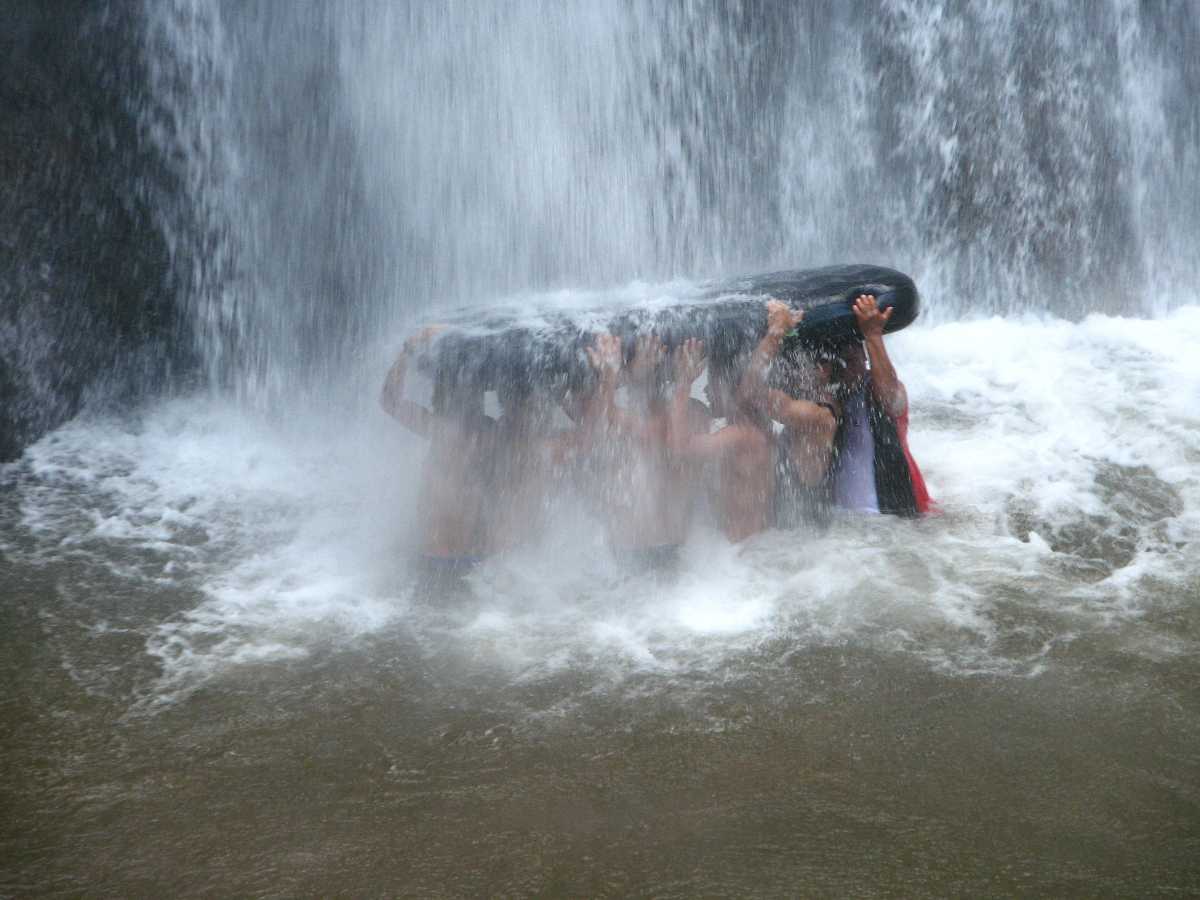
x,y
514,384
457,370
828,350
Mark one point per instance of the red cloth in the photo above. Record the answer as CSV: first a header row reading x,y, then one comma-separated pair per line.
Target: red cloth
x,y
920,492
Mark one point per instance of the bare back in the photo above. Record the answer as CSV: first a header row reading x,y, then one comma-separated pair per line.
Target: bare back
x,y
646,495
747,481
453,494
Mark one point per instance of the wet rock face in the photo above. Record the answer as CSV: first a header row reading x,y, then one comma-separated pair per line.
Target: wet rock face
x,y
87,304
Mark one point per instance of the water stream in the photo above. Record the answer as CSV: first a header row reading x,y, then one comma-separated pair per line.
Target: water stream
x,y
220,681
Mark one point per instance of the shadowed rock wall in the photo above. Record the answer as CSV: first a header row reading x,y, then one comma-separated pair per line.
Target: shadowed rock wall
x,y
87,300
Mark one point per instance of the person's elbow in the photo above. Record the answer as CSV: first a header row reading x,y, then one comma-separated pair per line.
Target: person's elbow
x,y
800,415
896,401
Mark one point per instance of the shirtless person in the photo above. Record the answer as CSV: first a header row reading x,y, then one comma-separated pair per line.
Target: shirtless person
x,y
529,464
743,450
644,491
875,472
461,438
810,422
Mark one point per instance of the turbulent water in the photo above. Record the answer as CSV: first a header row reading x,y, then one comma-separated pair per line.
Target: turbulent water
x,y
222,614
220,681
1062,457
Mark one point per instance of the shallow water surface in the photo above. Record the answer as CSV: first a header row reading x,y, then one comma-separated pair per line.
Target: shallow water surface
x,y
220,682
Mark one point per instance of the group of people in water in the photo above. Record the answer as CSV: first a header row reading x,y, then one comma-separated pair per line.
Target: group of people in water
x,y
803,429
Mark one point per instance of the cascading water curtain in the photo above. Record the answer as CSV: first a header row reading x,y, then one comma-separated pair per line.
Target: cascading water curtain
x,y
348,166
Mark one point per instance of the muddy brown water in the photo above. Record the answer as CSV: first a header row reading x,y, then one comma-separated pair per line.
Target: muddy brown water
x,y
374,771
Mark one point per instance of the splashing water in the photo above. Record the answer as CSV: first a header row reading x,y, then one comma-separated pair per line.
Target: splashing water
x,y
356,167
217,662
1069,507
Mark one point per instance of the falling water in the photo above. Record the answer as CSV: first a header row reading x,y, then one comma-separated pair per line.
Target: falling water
x,y
221,682
360,164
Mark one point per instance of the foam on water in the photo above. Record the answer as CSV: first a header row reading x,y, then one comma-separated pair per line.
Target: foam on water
x,y
1064,458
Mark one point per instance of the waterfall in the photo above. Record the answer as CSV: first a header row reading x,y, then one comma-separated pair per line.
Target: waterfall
x,y
375,159
321,174
241,653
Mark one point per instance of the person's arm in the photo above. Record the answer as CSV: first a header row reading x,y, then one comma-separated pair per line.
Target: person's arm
x,y
780,320
684,442
885,384
705,447
802,415
605,358
648,354
411,415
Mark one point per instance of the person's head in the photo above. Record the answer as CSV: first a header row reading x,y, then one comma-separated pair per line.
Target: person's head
x,y
525,408
804,370
457,379
827,366
852,362
457,390
646,368
514,388
724,380
456,398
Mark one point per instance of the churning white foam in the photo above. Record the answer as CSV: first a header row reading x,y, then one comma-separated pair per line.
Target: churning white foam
x,y
1063,456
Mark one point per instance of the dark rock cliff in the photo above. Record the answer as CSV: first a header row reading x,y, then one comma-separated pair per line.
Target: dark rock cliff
x,y
87,301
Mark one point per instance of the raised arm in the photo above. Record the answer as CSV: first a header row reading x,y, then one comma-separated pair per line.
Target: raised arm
x,y
649,352
689,362
605,358
885,384
780,320
800,415
797,414
411,415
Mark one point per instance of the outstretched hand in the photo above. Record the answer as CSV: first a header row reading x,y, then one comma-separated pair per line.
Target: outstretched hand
x,y
871,319
690,360
648,352
781,318
605,355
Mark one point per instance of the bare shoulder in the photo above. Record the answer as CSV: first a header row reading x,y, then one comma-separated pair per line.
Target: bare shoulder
x,y
745,438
